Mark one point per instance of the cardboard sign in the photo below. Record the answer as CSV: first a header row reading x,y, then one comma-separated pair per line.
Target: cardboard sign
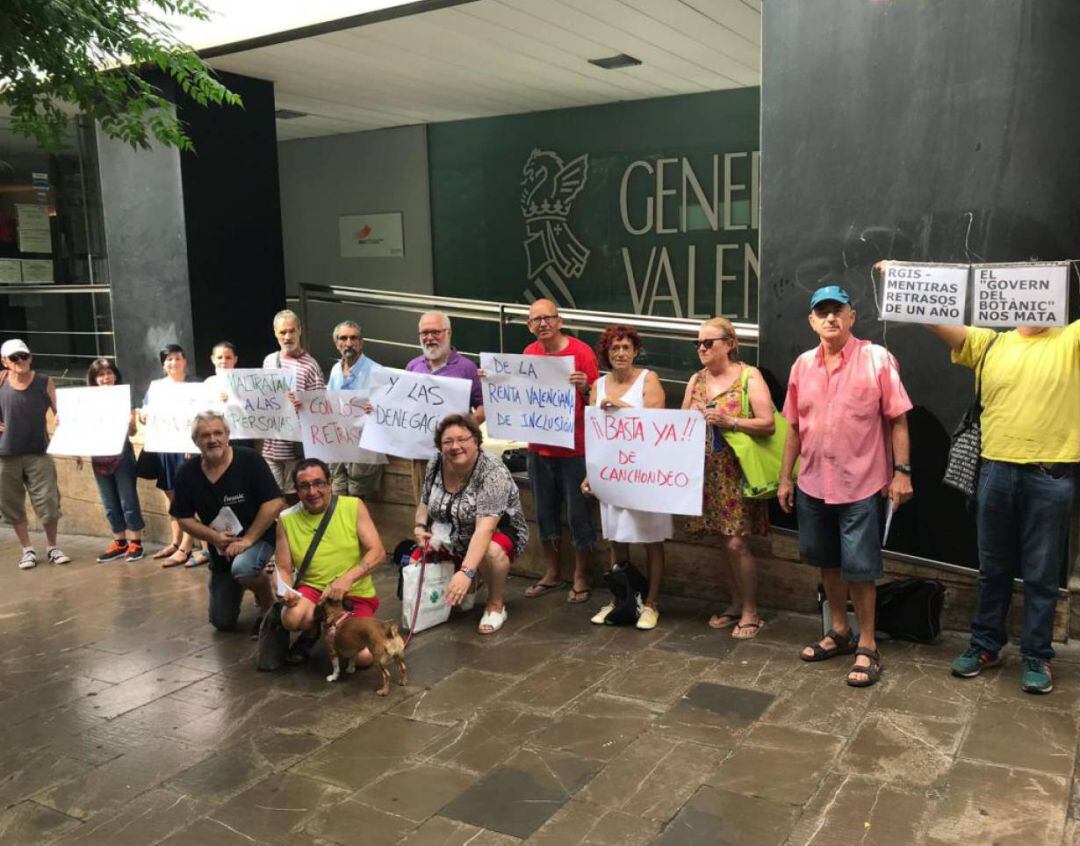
x,y
529,398
648,459
406,409
91,421
170,410
258,403
331,423
925,293
1021,294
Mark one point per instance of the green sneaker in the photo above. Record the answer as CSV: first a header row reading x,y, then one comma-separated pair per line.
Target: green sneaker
x,y
974,661
1036,677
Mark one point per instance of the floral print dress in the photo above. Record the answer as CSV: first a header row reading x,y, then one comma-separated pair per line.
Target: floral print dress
x,y
724,510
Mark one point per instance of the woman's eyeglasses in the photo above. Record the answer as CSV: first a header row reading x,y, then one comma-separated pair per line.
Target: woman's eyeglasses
x,y
707,343
19,356
449,443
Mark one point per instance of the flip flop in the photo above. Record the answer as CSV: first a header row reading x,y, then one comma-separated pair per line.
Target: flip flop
x,y
198,559
172,562
723,621
753,628
576,597
165,551
539,589
494,619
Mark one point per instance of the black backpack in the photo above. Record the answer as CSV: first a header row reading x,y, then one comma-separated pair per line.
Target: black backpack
x,y
629,589
910,609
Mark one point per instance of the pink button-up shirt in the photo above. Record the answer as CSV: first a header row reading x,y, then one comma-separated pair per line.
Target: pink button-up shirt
x,y
844,420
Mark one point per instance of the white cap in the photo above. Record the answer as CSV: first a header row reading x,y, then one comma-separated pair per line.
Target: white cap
x,y
15,345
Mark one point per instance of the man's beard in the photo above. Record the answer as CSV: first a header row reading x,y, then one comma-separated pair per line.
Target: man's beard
x,y
433,353
350,355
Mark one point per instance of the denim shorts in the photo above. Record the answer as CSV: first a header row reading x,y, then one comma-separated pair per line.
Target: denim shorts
x,y
847,536
555,481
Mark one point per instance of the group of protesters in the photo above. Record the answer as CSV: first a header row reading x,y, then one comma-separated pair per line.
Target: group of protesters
x,y
846,409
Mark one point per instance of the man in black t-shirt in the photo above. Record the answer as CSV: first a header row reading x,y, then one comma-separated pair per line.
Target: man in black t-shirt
x,y
234,495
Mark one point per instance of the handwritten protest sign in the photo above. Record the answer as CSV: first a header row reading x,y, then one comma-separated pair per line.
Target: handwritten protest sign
x,y
529,398
649,459
1021,294
406,409
331,423
924,293
258,404
171,407
92,421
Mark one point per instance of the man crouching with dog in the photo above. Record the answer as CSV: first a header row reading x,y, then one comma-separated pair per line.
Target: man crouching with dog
x,y
347,551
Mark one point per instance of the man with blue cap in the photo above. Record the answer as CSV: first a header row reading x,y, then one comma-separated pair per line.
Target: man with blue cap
x,y
847,411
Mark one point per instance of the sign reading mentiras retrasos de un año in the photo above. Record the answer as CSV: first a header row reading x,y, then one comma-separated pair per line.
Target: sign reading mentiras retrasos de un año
x,y
1020,294
924,293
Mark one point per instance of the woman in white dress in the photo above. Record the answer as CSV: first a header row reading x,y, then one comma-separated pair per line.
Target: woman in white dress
x,y
627,386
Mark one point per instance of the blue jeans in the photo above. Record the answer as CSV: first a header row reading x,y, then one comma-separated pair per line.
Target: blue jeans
x,y
120,497
1022,517
226,592
555,481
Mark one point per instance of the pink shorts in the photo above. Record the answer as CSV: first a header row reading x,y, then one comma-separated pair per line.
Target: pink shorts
x,y
363,606
501,538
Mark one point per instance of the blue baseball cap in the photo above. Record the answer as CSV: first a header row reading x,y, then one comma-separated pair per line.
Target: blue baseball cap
x,y
830,293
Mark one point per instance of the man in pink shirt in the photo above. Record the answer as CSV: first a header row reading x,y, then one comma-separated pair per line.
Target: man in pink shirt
x,y
848,415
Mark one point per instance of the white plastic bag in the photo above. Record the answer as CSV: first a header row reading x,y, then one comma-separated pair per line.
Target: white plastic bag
x,y
433,607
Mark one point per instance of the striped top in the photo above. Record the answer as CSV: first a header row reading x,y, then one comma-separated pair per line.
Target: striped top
x,y
308,378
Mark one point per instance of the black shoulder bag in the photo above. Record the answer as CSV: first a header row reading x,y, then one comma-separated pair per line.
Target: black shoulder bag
x,y
273,636
965,451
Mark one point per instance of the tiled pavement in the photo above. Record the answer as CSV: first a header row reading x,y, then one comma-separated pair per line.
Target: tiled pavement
x,y
125,719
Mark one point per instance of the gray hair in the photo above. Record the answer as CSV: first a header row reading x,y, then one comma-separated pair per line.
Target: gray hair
x,y
441,314
350,324
207,416
287,314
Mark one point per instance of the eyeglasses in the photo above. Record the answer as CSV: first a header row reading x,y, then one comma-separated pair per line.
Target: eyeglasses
x,y
431,333
317,485
348,337
707,343
543,318
448,443
19,356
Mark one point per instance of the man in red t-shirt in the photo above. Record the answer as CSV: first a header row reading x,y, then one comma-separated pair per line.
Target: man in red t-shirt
x,y
556,473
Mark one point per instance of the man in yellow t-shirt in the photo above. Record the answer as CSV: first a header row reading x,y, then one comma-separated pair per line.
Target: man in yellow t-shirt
x,y
1030,451
347,555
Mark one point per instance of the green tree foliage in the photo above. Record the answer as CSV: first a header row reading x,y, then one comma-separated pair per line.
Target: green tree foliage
x,y
92,55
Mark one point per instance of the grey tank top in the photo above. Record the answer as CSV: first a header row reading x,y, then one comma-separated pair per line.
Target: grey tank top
x,y
23,413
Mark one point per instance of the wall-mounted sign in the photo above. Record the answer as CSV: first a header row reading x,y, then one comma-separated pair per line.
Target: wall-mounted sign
x,y
37,270
371,235
10,271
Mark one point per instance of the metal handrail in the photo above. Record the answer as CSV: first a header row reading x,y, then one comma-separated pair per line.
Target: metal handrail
x,y
49,288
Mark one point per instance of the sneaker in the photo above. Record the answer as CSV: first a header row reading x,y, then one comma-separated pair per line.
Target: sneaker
x,y
118,549
648,618
600,616
1036,677
974,661
134,551
56,556
28,560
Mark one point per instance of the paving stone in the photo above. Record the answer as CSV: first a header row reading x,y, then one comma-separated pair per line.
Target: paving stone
x,y
657,675
616,645
351,822
430,663
440,831
850,809
902,748
173,718
714,714
597,726
418,791
778,763
929,690
219,776
269,809
146,819
754,665
34,701
27,773
988,804
141,689
29,822
207,832
555,684
652,777
1004,685
521,795
579,824
518,657
790,631
818,699
697,638
718,818
485,739
1015,735
109,667
463,691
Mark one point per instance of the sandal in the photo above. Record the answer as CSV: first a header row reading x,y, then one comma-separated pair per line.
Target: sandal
x,y
198,559
539,589
173,561
842,645
165,551
723,621
752,628
872,673
576,597
493,620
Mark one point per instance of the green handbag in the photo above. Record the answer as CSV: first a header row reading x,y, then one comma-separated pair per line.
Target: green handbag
x,y
759,456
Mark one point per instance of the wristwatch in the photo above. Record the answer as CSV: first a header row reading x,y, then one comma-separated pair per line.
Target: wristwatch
x,y
469,573
903,468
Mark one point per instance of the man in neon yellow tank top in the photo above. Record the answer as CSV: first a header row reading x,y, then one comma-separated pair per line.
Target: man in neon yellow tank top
x,y
348,554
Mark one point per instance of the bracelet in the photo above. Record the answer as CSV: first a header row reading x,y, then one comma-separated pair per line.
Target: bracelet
x,y
734,424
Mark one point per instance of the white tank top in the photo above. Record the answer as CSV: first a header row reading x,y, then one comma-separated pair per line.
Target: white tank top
x,y
635,394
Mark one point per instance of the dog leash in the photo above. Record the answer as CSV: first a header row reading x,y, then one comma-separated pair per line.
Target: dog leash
x,y
419,592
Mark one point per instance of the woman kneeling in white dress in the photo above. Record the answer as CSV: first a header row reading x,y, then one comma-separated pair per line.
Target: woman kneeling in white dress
x,y
627,386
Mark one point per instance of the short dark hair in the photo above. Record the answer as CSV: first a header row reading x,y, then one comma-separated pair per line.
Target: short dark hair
x,y
99,364
465,421
307,464
169,349
610,336
229,345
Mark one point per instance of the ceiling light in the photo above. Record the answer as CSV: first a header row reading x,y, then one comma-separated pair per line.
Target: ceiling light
x,y
613,62
289,114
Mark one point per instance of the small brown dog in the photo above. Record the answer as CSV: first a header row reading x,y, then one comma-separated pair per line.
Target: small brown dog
x,y
346,635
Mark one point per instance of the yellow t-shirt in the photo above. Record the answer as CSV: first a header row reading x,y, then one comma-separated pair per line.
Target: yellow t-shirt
x,y
339,550
1030,393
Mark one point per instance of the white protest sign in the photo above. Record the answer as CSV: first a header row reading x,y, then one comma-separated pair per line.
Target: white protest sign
x,y
406,409
258,404
1021,294
924,293
331,423
170,410
529,398
645,458
91,421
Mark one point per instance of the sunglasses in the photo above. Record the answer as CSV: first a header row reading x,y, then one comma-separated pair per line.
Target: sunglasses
x,y
707,343
19,356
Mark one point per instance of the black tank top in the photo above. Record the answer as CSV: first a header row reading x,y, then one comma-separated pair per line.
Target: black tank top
x,y
23,413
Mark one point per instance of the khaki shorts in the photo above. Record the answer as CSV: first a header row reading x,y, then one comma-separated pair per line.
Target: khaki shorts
x,y
28,474
282,470
357,479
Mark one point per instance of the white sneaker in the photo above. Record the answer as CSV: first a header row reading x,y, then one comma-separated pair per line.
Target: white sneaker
x,y
28,560
648,618
600,616
56,556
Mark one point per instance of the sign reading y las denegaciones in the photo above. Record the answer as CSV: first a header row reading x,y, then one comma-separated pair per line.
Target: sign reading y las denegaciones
x,y
406,408
1020,294
91,421
924,293
649,459
258,403
529,398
